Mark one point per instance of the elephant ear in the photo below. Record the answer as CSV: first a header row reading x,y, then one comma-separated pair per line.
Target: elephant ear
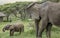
x,y
34,11
7,27
11,27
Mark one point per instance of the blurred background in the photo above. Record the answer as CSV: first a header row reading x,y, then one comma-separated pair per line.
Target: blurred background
x,y
13,11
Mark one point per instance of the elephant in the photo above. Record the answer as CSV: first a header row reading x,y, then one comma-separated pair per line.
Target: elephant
x,y
14,28
47,12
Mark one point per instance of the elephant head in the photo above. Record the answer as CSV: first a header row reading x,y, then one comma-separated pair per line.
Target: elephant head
x,y
6,27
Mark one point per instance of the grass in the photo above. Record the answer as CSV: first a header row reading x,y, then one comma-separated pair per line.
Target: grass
x,y
28,33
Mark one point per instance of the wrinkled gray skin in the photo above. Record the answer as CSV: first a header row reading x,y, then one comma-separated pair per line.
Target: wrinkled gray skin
x,y
14,28
48,12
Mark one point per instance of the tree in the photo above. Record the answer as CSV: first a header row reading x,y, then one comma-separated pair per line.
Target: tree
x,y
13,8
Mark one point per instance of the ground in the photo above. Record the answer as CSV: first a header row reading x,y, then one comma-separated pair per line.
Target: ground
x,y
28,33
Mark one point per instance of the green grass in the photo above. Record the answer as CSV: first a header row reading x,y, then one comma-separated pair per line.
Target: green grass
x,y
28,33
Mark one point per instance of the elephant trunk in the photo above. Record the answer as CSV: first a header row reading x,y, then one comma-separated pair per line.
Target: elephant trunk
x,y
3,29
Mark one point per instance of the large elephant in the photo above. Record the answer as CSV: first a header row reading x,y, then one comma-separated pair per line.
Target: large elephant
x,y
14,28
48,12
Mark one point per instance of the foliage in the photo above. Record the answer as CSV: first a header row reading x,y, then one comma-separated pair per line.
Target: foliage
x,y
13,8
27,33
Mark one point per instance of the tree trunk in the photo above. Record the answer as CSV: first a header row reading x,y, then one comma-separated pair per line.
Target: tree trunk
x,y
7,18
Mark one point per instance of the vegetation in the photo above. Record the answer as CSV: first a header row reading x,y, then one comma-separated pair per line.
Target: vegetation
x,y
29,32
14,8
18,7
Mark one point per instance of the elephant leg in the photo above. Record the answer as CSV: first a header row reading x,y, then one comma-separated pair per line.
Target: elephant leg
x,y
20,31
37,26
11,32
23,29
48,30
43,26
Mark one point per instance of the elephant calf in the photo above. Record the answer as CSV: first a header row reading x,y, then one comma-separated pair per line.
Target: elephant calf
x,y
14,28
